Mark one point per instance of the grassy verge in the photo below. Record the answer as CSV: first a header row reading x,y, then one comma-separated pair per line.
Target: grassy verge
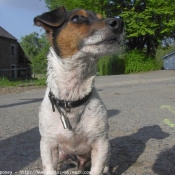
x,y
5,82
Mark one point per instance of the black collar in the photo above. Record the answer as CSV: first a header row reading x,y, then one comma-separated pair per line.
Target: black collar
x,y
68,104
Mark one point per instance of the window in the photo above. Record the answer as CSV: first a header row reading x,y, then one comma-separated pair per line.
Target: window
x,y
12,49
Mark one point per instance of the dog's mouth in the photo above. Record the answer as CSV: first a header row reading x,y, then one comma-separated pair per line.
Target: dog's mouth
x,y
101,39
111,40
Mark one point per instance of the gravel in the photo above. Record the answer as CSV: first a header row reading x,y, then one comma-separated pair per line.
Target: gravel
x,y
142,143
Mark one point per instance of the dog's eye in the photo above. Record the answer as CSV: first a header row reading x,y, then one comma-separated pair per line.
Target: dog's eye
x,y
77,18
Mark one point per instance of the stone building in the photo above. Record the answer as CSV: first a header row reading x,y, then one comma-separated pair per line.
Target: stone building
x,y
13,62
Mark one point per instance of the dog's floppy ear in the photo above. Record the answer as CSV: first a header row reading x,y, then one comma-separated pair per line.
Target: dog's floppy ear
x,y
48,20
53,18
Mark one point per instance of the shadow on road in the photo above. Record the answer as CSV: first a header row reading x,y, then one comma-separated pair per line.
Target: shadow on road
x,y
20,150
165,162
126,150
27,101
113,112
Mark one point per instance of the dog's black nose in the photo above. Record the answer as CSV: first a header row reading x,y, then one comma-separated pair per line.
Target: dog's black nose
x,y
115,24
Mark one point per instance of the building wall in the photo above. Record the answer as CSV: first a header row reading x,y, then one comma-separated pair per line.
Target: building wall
x,y
169,62
8,57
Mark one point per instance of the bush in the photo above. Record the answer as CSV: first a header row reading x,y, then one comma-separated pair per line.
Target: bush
x,y
136,61
110,65
39,63
131,62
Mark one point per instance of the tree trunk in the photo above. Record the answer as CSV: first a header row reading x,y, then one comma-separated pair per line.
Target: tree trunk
x,y
137,43
152,45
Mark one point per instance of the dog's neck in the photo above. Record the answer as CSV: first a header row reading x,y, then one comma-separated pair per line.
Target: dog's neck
x,y
70,78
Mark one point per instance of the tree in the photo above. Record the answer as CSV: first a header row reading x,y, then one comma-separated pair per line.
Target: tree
x,y
30,44
93,5
36,47
147,22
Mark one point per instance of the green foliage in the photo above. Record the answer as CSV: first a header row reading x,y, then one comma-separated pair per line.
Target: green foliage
x,y
130,62
36,47
39,63
103,66
5,81
40,82
110,65
93,5
147,22
148,17
30,44
136,61
157,18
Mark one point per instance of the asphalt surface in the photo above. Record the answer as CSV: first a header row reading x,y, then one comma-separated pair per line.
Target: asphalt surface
x,y
141,110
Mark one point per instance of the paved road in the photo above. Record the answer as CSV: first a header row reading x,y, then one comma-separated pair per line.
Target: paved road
x,y
141,110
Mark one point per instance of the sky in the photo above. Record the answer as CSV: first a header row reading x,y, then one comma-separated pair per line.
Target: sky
x,y
16,16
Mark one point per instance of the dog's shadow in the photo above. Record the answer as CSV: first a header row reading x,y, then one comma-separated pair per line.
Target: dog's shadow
x,y
165,162
113,112
20,150
126,150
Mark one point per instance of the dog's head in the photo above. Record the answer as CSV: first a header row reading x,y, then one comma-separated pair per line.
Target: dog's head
x,y
72,32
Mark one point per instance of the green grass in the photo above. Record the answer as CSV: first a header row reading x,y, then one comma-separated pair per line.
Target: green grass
x,y
4,82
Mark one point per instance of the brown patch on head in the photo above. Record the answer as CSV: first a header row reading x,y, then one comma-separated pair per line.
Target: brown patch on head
x,y
99,16
69,32
81,13
70,38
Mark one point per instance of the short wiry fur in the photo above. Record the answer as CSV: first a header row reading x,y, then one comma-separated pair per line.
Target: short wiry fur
x,y
70,78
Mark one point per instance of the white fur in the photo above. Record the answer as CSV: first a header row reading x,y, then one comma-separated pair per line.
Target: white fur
x,y
72,79
92,47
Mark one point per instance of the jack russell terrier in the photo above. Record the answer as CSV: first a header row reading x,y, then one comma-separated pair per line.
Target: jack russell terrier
x,y
73,121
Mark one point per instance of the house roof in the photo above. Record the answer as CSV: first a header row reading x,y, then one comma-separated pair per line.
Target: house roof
x,y
4,33
167,55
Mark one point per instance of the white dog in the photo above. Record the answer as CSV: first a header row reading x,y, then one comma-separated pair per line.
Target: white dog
x,y
73,120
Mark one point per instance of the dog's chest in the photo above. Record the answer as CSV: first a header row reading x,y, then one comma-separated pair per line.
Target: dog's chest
x,y
73,143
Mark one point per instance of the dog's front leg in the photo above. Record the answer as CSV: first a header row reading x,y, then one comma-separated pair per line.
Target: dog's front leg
x,y
100,157
49,156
